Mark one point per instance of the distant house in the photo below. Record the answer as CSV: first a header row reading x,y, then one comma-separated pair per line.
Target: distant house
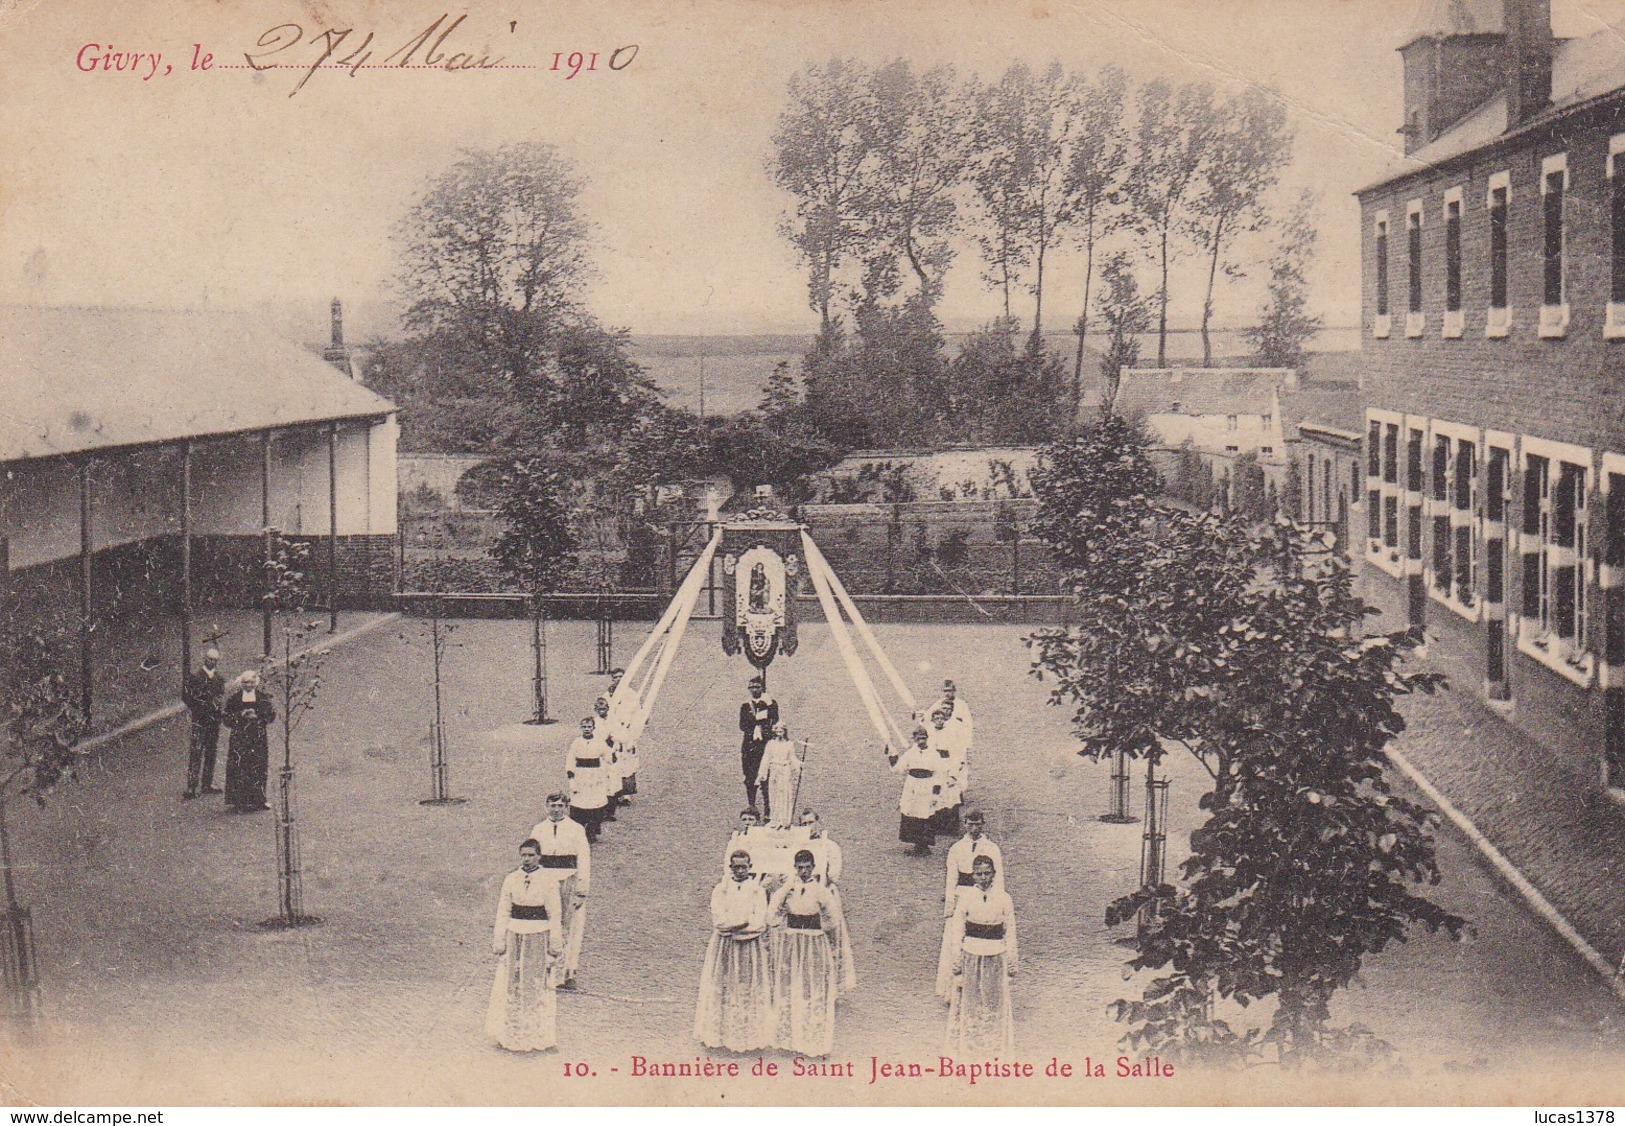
x,y
1216,410
143,454
1323,427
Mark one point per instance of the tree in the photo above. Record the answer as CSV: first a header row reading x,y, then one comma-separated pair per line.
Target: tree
x,y
886,382
1174,132
295,681
1242,644
1124,312
535,549
1285,327
40,727
602,388
820,148
537,542
781,396
1095,493
1094,184
494,256
918,155
1250,144
1024,129
1307,860
1003,393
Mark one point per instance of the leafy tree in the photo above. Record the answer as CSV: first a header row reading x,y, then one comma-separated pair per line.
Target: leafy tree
x,y
1002,393
820,148
1243,644
537,541
918,152
602,387
40,727
1024,128
781,396
884,385
494,255
1174,132
752,451
1285,327
1250,144
1095,493
1094,184
1307,861
1126,317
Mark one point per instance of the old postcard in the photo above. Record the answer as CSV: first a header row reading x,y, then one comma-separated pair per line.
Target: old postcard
x,y
801,552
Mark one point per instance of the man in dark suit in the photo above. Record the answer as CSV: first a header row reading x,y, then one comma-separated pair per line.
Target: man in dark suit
x,y
758,716
202,693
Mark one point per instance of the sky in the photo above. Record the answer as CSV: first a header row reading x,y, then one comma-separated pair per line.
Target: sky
x,y
215,186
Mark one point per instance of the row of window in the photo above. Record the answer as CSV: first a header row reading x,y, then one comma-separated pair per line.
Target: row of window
x,y
1554,254
1458,483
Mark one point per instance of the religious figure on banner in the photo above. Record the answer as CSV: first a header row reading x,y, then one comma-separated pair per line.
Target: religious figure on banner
x,y
759,568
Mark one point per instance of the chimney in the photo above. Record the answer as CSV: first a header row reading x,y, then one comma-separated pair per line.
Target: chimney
x,y
1528,59
336,353
1454,62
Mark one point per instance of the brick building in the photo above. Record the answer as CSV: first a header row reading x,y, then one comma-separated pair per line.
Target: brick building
x,y
1494,353
143,454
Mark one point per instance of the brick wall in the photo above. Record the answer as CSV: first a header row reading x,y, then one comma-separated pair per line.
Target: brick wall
x,y
1566,389
1563,389
226,571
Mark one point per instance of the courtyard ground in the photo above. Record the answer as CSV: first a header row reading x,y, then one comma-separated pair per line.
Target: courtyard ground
x,y
161,988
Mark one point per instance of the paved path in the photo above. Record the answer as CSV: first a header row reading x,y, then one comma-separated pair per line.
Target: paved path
x,y
147,907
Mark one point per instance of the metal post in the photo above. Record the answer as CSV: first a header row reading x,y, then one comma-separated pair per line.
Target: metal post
x,y
265,527
606,635
186,560
333,528
439,771
86,548
1154,841
538,649
1015,560
1119,814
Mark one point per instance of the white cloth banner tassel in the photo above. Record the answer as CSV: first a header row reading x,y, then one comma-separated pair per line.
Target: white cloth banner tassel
x,y
818,571
662,641
860,625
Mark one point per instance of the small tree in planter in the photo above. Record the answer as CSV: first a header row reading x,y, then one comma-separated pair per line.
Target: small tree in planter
x,y
440,634
294,680
40,726
535,550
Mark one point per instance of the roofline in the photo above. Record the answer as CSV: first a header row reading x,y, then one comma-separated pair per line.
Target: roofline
x,y
1331,431
371,419
1509,137
1438,36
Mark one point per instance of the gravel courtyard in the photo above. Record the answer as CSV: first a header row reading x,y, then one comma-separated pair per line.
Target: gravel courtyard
x,y
162,989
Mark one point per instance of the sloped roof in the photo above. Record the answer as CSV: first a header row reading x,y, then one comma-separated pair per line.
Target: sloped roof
x,y
1582,70
1199,391
1338,407
78,379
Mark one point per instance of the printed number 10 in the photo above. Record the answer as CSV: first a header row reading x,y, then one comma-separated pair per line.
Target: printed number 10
x,y
576,62
577,1070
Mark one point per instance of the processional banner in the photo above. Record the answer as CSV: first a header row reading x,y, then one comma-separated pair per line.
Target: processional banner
x,y
761,563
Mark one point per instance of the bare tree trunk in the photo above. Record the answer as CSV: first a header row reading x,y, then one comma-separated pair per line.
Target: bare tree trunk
x,y
1038,308
1207,303
1162,305
1083,317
